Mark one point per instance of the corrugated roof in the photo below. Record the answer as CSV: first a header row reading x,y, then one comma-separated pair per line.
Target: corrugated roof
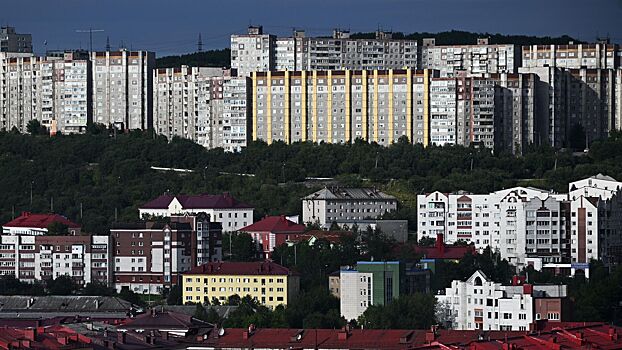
x,y
240,268
349,193
274,224
28,219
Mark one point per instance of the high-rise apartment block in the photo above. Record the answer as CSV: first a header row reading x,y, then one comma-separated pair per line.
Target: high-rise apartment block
x,y
123,88
206,105
53,90
474,60
259,52
601,55
531,226
10,41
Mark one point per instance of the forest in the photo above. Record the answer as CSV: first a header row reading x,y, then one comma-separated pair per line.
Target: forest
x,y
101,177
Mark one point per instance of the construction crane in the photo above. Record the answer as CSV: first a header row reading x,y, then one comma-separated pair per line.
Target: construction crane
x,y
90,31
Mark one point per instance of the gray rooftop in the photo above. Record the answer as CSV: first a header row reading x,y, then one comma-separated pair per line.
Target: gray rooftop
x,y
349,193
51,306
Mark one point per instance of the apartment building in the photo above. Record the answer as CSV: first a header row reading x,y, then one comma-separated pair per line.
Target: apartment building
x,y
268,283
252,52
151,256
345,205
551,104
340,106
85,259
519,222
122,90
228,211
55,90
32,224
481,304
472,60
203,104
462,111
527,225
591,109
595,220
11,41
601,55
259,52
377,283
516,123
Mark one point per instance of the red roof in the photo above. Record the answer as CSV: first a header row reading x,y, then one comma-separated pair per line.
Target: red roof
x,y
200,201
240,268
54,337
596,336
39,220
442,251
274,224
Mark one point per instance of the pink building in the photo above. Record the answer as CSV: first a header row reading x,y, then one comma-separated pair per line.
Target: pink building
x,y
272,231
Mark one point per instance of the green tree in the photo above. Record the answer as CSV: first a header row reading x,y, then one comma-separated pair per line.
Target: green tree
x,y
175,295
34,127
415,311
61,285
242,247
97,288
128,295
200,313
57,229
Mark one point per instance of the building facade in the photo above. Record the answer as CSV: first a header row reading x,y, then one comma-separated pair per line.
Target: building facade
x,y
11,41
268,283
259,52
472,60
527,224
601,55
345,205
224,209
271,232
122,91
85,259
206,105
150,256
479,303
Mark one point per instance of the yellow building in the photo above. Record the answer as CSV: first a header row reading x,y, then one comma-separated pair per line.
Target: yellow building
x,y
269,283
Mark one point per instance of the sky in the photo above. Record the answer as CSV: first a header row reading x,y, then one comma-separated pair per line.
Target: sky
x,y
173,26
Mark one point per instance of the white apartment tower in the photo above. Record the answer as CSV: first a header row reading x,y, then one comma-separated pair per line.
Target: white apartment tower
x,y
123,88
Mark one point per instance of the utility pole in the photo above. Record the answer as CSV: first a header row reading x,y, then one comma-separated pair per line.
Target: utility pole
x,y
200,44
107,43
31,182
90,31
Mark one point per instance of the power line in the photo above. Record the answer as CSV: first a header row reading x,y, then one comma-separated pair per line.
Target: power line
x,y
90,31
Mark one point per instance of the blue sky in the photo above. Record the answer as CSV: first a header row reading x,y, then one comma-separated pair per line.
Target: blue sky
x,y
172,26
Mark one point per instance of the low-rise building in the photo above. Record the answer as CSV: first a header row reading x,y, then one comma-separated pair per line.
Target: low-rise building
x,y
480,303
37,224
228,211
11,41
267,282
345,205
271,232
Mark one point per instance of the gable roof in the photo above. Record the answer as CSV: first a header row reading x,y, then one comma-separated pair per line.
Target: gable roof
x,y
28,219
274,224
200,201
349,193
240,268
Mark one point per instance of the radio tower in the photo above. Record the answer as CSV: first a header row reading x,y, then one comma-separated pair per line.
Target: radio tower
x,y
200,44
107,43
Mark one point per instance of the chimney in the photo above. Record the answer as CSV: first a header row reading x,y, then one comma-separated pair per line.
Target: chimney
x,y
121,336
440,243
245,335
527,289
30,334
518,280
96,304
430,336
613,335
343,335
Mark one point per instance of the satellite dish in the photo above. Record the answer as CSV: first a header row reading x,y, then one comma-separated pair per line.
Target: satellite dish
x,y
298,337
221,332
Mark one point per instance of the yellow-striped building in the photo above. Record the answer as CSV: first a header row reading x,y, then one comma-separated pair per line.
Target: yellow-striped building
x,y
340,106
268,283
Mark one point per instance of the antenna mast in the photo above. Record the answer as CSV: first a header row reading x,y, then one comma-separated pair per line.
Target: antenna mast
x,y
90,31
